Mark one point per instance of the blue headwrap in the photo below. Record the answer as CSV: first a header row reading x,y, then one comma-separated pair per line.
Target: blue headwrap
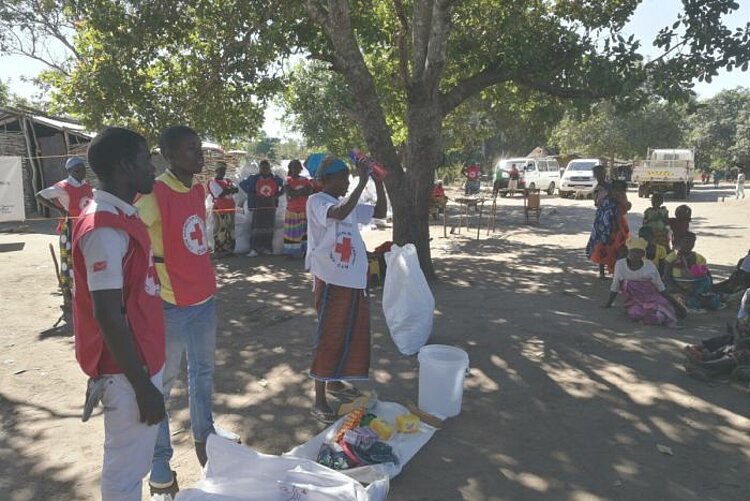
x,y
313,162
320,165
73,161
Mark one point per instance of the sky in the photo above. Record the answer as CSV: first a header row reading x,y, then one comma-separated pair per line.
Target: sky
x,y
648,19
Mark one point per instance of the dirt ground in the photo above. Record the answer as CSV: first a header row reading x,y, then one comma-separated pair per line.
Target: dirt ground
x,y
566,401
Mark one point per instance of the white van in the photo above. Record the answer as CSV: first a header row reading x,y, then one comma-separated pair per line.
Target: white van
x,y
537,173
579,177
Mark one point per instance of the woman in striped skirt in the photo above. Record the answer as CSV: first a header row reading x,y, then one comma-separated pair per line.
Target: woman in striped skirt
x,y
295,220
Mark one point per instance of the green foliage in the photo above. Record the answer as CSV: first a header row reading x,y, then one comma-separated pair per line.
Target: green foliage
x,y
450,174
721,130
319,106
4,93
606,132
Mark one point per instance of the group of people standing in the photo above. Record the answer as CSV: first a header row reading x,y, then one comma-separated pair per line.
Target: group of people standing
x,y
263,192
144,295
660,275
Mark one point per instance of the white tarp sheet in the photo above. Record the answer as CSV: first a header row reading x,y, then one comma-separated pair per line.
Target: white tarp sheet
x,y
238,473
11,190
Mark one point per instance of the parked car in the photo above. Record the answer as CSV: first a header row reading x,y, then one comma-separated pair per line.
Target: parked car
x,y
536,173
578,176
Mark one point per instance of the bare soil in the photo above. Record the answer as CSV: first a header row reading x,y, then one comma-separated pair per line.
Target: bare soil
x,y
566,400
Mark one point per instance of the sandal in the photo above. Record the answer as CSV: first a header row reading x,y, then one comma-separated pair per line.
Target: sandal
x,y
323,416
347,393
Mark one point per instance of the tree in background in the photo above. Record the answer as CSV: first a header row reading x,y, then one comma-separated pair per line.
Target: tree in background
x,y
721,130
4,93
214,64
608,133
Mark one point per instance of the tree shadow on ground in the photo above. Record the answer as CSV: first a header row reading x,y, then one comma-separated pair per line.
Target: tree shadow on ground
x,y
22,454
564,400
35,226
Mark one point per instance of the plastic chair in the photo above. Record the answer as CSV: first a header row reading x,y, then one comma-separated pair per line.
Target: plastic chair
x,y
532,202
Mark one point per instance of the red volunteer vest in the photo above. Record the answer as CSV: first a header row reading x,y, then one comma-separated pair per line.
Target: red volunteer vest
x,y
183,233
472,172
266,187
79,196
140,292
296,204
226,202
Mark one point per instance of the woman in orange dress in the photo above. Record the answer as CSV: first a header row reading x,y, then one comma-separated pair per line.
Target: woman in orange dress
x,y
611,230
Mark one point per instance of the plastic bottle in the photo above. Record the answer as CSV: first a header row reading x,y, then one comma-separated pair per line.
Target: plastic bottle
x,y
377,171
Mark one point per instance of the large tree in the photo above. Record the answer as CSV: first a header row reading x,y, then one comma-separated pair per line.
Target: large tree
x,y
721,130
607,132
154,62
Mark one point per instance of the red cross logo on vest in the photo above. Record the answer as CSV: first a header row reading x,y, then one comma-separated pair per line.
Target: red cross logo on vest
x,y
344,249
193,235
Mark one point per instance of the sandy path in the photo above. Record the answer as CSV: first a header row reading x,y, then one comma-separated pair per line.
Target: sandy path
x,y
565,400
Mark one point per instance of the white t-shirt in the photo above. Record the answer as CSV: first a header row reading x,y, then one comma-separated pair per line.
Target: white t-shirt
x,y
104,249
646,272
55,192
336,253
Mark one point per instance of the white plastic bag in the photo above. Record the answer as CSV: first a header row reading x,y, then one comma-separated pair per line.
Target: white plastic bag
x,y
237,473
408,303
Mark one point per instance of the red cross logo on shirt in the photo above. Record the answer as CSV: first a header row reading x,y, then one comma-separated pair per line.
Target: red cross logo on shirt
x,y
193,235
197,234
344,249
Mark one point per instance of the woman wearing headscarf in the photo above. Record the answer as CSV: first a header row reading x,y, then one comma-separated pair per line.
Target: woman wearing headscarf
x,y
642,288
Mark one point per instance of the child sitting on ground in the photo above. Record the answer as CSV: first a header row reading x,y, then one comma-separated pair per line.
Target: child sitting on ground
x,y
655,252
680,223
656,217
727,355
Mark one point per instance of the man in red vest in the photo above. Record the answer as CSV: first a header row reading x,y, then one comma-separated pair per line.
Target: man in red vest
x,y
68,197
118,319
175,216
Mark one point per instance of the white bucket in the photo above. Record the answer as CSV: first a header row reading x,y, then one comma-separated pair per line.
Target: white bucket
x,y
441,379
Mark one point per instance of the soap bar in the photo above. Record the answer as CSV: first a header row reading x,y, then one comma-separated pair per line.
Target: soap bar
x,y
382,428
407,423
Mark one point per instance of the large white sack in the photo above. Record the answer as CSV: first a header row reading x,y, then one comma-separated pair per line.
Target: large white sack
x,y
408,303
210,222
243,220
237,473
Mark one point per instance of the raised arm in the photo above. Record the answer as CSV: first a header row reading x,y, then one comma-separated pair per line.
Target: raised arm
x,y
342,210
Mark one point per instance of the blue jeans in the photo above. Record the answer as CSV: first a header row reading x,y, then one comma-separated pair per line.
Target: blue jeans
x,y
190,329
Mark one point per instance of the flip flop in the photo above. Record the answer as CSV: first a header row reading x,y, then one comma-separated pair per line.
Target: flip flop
x,y
347,393
323,416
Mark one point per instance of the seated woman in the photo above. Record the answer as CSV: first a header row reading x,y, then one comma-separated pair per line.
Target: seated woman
x,y
642,288
738,281
687,276
655,253
727,355
439,200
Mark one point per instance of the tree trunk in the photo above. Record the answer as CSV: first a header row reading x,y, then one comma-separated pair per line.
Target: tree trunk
x,y
411,199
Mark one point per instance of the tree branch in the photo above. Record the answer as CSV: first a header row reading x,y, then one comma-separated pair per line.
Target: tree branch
x,y
471,86
351,65
421,22
564,92
402,39
438,42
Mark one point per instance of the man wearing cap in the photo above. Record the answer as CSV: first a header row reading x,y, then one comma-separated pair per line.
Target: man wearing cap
x,y
68,197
